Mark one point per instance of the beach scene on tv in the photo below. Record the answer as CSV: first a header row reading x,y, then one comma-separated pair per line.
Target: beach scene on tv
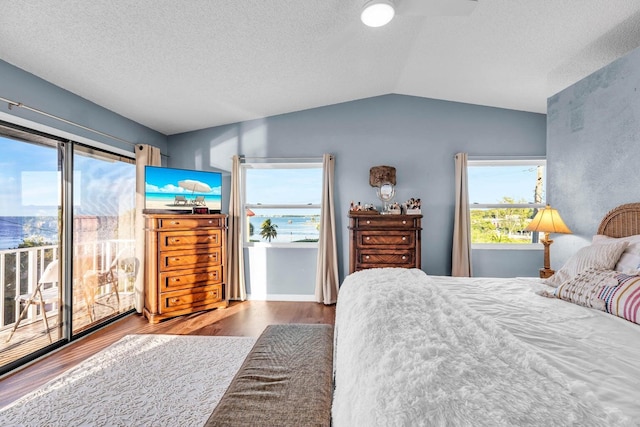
x,y
169,189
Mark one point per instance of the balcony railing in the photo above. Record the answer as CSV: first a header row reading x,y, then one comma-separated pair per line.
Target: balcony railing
x,y
21,269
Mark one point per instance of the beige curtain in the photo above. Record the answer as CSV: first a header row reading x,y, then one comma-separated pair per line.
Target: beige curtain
x,y
327,281
145,155
461,253
235,257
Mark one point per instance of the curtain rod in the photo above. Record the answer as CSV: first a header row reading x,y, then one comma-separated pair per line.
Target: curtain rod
x,y
35,110
282,158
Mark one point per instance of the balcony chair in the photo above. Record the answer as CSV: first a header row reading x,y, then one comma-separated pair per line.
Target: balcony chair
x,y
41,297
124,265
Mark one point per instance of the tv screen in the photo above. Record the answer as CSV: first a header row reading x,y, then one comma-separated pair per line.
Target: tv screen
x,y
180,190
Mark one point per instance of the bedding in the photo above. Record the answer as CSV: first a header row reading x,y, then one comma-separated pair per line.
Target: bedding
x,y
412,349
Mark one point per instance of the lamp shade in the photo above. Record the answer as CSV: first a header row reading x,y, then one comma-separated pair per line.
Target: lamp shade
x,y
548,220
377,13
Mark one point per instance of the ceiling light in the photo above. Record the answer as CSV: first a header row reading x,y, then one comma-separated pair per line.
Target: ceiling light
x,y
377,13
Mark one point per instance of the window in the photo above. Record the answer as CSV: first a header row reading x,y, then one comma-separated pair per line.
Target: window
x,y
35,219
504,196
282,203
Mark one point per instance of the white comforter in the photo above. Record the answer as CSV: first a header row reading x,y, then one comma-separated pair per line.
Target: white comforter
x,y
407,354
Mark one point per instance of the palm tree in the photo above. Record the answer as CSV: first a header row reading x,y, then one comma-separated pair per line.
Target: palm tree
x,y
267,230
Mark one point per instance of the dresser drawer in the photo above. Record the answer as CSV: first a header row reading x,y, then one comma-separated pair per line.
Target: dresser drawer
x,y
190,298
173,260
168,240
188,222
379,259
398,239
386,221
174,280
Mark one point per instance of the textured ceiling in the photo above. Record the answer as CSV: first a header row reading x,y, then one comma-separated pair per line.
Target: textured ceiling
x,y
177,66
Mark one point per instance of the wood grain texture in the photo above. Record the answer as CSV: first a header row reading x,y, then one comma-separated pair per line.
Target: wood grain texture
x,y
248,318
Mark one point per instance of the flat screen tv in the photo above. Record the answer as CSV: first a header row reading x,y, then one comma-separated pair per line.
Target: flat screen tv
x,y
170,190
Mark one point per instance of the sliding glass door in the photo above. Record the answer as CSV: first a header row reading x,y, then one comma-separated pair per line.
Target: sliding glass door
x,y
67,262
104,263
30,182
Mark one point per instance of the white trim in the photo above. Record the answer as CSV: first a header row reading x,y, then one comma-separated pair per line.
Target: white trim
x,y
282,245
266,163
506,205
506,161
283,297
281,206
508,246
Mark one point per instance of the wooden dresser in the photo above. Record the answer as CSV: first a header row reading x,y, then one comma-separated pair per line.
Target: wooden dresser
x,y
184,264
377,241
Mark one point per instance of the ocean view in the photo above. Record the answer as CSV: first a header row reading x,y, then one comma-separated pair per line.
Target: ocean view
x,y
14,229
290,228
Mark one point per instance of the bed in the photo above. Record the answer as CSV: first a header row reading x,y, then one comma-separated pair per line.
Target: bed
x,y
412,349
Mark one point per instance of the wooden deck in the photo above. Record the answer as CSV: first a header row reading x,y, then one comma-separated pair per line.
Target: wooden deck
x,y
30,337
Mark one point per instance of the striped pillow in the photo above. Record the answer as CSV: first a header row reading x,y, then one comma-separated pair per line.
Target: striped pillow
x,y
586,287
594,256
629,261
623,299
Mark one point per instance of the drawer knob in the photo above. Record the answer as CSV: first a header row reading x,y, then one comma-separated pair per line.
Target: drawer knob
x,y
176,240
404,221
174,300
175,222
367,257
404,237
175,279
368,222
404,257
210,222
368,237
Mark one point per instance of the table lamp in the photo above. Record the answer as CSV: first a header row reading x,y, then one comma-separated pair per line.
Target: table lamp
x,y
547,220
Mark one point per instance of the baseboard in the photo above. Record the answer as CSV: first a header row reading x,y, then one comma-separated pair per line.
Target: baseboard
x,y
282,297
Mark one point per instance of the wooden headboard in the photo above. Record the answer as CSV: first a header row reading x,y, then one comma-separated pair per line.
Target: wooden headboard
x,y
622,221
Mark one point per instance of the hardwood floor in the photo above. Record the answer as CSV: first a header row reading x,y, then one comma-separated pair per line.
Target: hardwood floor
x,y
246,318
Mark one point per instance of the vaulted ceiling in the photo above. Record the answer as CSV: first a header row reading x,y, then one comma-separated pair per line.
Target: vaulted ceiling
x,y
177,66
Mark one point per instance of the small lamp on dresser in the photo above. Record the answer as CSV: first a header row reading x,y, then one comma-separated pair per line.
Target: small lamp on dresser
x,y
547,220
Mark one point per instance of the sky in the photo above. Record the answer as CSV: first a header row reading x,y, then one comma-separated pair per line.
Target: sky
x,y
30,182
166,180
284,186
489,184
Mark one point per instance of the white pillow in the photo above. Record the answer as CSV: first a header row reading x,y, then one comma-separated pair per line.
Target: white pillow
x,y
629,262
603,256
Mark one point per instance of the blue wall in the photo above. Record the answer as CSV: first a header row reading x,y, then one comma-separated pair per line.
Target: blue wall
x,y
593,147
20,86
417,136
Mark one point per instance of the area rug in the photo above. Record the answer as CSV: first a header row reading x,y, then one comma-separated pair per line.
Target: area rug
x,y
140,380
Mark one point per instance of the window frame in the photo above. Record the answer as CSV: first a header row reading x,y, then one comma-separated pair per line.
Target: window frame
x,y
509,161
275,164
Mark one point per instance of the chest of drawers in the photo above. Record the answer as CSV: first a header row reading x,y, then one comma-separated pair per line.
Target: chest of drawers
x,y
184,264
377,241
